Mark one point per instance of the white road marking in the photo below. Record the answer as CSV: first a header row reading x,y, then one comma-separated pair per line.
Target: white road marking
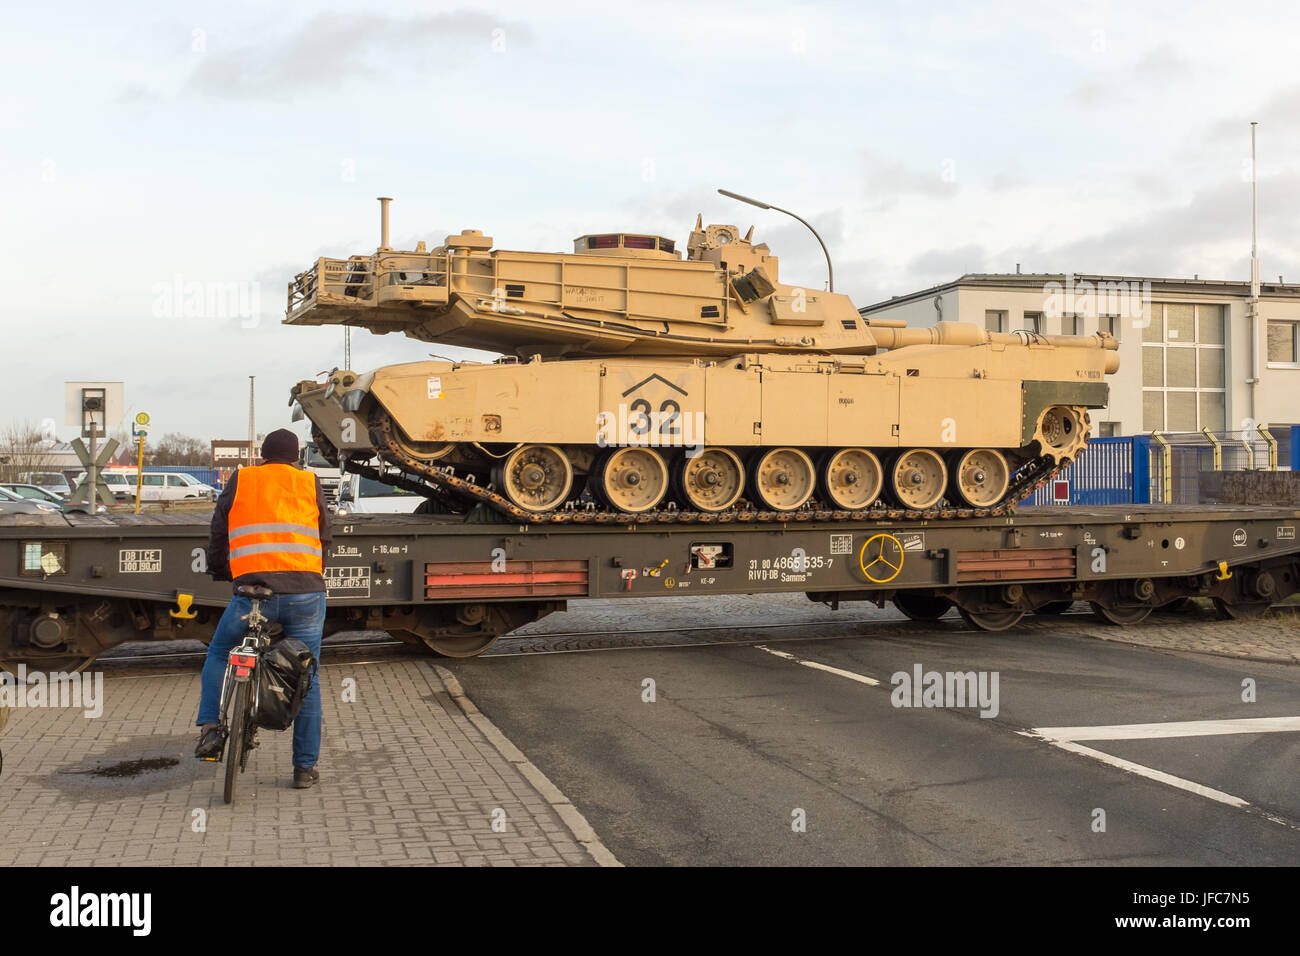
x,y
1065,737
1181,728
860,678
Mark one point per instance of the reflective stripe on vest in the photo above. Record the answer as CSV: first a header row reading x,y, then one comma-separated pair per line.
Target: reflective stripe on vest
x,y
274,521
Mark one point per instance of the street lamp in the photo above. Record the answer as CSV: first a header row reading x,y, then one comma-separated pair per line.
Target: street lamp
x,y
830,272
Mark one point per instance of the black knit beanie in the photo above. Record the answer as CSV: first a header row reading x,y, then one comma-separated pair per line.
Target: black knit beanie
x,y
281,445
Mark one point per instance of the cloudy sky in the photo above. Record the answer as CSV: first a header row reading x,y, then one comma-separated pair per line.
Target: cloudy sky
x,y
148,145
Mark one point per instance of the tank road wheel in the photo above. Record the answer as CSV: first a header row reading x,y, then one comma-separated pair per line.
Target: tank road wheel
x,y
980,477
991,620
1062,432
852,478
632,480
535,477
917,478
922,607
783,478
711,481
1121,615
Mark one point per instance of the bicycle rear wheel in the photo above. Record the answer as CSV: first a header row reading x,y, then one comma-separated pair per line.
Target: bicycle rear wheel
x,y
235,739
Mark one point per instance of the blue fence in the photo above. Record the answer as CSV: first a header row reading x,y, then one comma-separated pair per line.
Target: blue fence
x,y
1110,471
1118,471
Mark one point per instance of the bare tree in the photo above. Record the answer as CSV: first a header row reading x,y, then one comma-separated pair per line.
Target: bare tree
x,y
23,449
177,449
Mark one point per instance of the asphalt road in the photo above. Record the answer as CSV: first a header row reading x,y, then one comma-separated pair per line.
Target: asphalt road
x,y
739,740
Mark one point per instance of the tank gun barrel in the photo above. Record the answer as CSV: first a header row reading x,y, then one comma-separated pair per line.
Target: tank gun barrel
x,y
891,336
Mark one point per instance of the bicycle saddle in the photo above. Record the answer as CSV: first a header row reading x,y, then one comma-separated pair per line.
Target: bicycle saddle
x,y
254,592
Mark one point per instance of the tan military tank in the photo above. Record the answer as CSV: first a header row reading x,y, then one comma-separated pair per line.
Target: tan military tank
x,y
640,381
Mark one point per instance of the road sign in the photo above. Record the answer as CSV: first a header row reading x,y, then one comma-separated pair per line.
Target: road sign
x,y
142,418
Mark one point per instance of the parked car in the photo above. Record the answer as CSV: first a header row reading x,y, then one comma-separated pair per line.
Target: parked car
x,y
15,504
362,496
169,486
34,493
122,489
49,480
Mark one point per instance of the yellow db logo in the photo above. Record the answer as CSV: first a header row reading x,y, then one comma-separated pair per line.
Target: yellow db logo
x,y
881,558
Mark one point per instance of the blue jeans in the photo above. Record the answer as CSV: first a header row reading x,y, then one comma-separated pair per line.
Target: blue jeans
x,y
302,616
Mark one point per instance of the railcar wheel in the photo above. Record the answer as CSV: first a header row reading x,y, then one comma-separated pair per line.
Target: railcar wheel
x,y
980,477
783,478
918,478
459,645
632,480
1240,611
535,477
852,478
922,607
711,481
1122,615
1054,607
991,620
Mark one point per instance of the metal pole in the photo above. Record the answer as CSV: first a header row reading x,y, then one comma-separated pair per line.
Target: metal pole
x,y
139,472
1253,311
252,434
830,271
92,474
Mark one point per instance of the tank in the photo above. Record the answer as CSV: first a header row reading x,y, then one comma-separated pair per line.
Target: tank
x,y
638,378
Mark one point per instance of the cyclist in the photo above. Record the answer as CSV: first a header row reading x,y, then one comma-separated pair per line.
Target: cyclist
x,y
270,528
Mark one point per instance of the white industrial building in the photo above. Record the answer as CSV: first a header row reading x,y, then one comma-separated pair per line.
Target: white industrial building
x,y
1184,344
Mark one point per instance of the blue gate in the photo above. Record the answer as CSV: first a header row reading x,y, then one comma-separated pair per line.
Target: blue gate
x,y
1109,471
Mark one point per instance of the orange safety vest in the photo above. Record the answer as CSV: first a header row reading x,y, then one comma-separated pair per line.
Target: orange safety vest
x,y
274,522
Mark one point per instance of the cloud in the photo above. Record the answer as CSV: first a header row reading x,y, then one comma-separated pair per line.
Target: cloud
x,y
886,179
332,48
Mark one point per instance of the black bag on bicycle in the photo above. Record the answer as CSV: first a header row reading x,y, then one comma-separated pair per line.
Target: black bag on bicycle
x,y
284,676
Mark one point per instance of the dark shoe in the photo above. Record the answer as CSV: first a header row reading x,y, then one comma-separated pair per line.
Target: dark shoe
x,y
304,777
209,747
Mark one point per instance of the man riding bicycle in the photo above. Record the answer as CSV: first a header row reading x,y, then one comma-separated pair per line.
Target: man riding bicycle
x,y
270,528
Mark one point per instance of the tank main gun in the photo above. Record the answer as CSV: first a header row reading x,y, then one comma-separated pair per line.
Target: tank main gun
x,y
616,293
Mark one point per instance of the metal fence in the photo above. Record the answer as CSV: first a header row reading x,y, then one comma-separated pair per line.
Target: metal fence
x,y
1164,468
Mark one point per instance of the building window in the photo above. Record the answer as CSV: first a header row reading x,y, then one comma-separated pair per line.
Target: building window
x,y
1183,381
995,321
1107,429
1109,324
1033,322
1071,324
1284,343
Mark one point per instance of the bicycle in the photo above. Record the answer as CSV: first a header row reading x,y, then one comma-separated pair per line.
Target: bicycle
x,y
239,688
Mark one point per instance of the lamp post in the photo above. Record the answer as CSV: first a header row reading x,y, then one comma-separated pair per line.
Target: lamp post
x,y
830,272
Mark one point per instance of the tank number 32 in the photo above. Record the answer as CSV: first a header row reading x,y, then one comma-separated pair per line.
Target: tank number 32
x,y
642,418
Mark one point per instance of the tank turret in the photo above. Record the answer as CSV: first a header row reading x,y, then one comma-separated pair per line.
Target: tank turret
x,y
638,377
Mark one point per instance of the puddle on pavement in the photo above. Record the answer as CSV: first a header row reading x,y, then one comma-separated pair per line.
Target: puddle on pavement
x,y
139,765
130,768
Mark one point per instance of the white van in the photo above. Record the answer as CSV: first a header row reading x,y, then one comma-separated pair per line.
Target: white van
x,y
365,496
121,489
169,486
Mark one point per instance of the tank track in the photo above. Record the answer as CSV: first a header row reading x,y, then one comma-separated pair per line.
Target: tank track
x,y
444,485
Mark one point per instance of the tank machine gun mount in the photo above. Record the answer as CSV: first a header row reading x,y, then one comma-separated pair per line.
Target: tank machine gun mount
x,y
640,381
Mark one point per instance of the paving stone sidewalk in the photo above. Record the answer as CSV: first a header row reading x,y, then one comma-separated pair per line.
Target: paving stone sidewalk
x,y
406,778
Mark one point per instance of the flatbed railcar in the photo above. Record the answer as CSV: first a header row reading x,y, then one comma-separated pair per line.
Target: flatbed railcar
x,y
74,585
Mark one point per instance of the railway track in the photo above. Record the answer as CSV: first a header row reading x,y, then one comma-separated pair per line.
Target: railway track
x,y
381,649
